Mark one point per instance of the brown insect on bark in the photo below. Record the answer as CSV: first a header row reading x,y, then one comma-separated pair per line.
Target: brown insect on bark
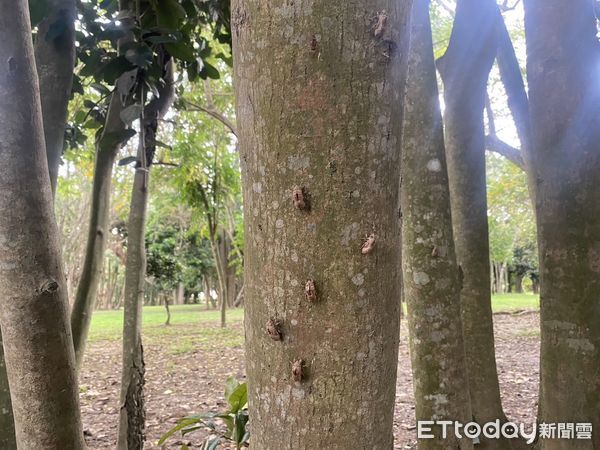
x,y
381,18
310,291
314,44
298,370
274,330
368,244
435,252
299,198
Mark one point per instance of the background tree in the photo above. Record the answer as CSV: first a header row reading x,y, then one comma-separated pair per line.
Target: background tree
x,y
464,69
563,57
430,272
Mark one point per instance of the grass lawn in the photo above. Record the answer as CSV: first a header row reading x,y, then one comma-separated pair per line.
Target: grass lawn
x,y
187,331
511,302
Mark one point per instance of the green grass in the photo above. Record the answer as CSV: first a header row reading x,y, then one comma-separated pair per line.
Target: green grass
x,y
192,327
185,319
511,302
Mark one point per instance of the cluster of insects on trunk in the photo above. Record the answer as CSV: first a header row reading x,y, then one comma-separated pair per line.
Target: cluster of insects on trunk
x,y
300,201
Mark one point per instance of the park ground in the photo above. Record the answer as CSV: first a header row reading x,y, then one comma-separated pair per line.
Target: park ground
x,y
188,362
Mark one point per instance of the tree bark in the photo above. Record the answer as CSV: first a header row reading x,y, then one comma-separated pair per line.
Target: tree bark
x,y
55,61
132,414
7,421
562,70
98,232
39,357
319,88
464,70
131,431
430,271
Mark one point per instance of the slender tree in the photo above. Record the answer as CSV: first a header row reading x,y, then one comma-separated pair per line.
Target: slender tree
x,y
430,272
464,69
107,148
132,413
563,57
55,60
319,87
39,358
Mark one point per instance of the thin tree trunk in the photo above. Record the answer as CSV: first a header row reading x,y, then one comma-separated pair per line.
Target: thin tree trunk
x,y
430,271
319,87
464,70
55,61
131,429
563,58
46,406
132,414
98,233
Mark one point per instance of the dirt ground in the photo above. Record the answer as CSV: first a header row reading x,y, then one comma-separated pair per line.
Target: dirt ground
x,y
191,381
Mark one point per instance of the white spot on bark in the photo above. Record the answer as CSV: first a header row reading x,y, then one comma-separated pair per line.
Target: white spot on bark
x,y
257,187
294,256
421,278
356,194
298,162
434,165
298,393
582,345
438,399
279,223
294,322
358,279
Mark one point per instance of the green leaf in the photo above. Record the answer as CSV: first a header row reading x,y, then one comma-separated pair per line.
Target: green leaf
x,y
116,67
140,55
38,11
241,419
127,160
209,71
181,50
131,113
183,423
231,384
238,398
116,138
169,13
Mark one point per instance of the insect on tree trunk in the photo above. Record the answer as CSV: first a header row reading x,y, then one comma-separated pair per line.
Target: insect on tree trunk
x,y
430,271
319,88
563,58
46,407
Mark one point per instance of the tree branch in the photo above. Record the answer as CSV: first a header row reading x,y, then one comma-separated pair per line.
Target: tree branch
x,y
493,144
213,113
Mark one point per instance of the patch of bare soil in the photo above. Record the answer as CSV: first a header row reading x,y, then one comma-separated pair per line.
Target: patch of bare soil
x,y
190,382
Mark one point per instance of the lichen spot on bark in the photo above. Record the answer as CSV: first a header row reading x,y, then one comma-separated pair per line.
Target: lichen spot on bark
x,y
434,165
421,278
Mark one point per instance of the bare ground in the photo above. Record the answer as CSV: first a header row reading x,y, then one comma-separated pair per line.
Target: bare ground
x,y
183,379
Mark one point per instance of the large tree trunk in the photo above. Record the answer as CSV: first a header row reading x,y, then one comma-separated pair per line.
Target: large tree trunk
x,y
319,87
563,58
464,70
430,271
55,60
39,357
